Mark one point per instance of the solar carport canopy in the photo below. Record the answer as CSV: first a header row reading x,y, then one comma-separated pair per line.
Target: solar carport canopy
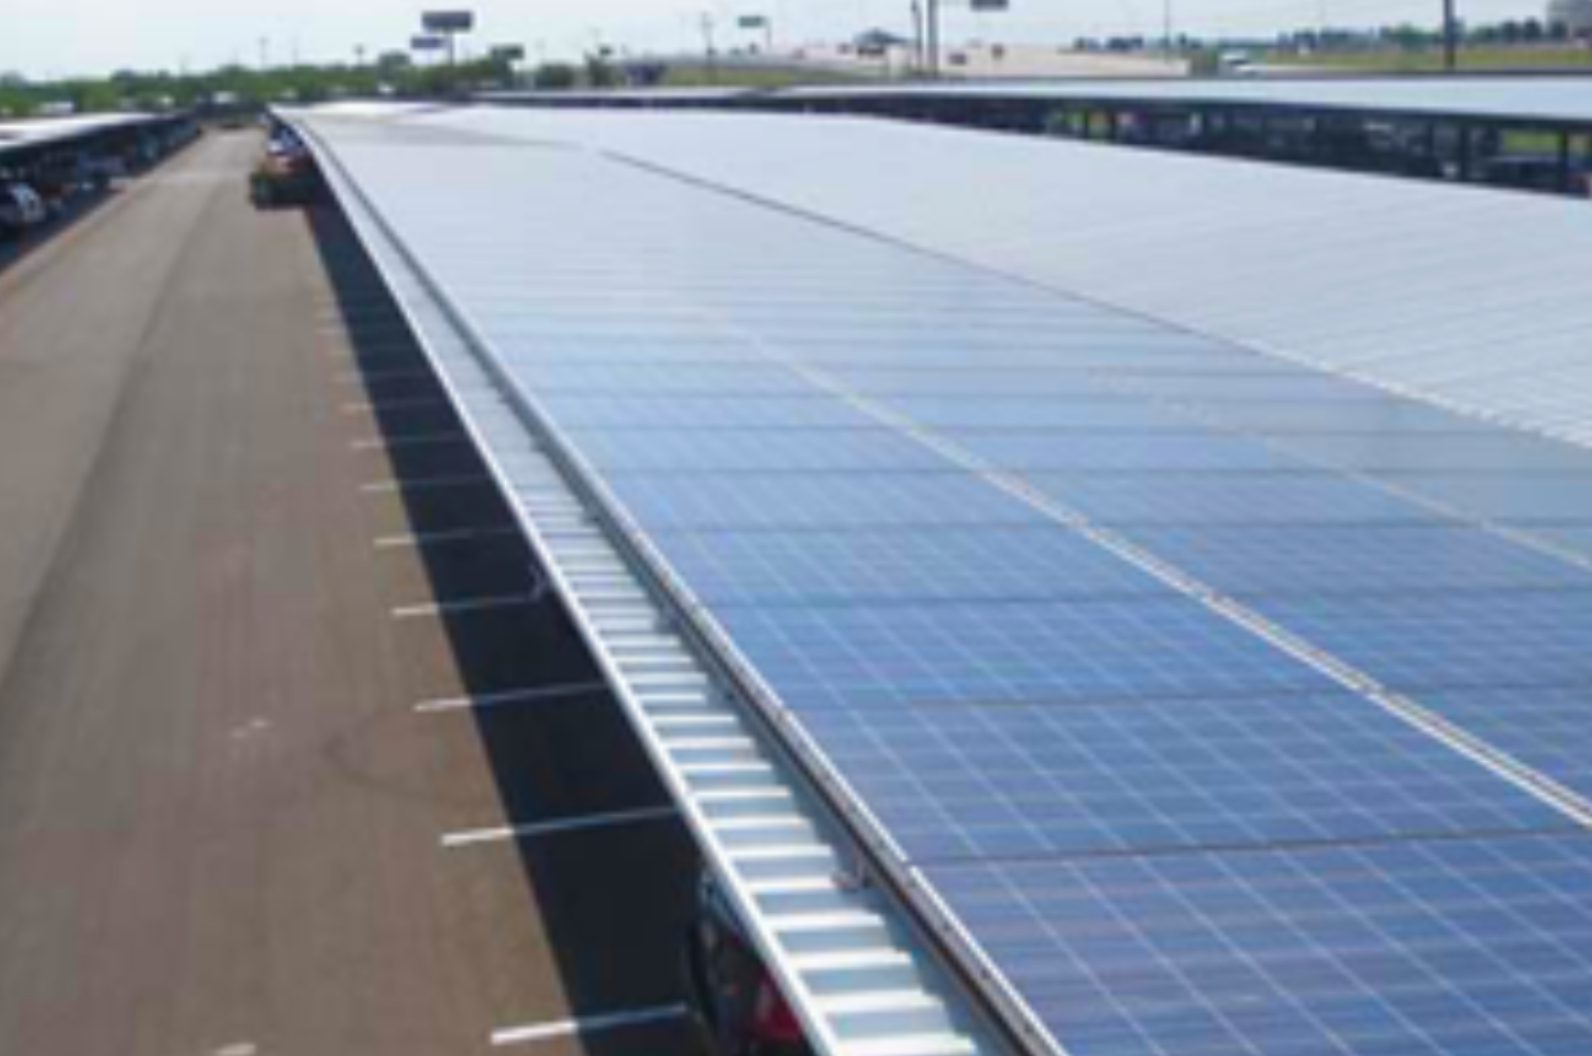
x,y
40,132
1228,705
1547,99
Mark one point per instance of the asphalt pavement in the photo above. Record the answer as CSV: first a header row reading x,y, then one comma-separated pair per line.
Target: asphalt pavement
x,y
258,743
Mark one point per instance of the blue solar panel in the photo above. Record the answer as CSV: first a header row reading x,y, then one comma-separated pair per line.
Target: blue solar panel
x,y
1577,540
990,782
1360,558
1124,451
990,563
1414,451
1505,496
1227,498
818,500
897,381
750,379
698,411
1374,415
1547,728
858,657
1281,384
1019,412
611,350
1173,838
1089,351
1466,948
1419,641
762,450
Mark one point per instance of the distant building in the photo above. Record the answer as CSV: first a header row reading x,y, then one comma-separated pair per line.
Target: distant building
x,y
1575,15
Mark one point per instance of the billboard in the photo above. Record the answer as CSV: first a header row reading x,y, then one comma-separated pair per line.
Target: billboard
x,y
991,5
448,21
428,42
752,22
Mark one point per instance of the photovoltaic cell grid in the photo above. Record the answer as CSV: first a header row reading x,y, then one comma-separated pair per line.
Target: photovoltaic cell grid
x,y
1171,836
1427,948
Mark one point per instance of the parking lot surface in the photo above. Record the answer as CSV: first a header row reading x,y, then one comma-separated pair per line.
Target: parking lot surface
x,y
256,745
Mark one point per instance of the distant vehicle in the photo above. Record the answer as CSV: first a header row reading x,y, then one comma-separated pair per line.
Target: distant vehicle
x,y
20,208
283,142
734,999
105,169
1237,64
286,175
957,58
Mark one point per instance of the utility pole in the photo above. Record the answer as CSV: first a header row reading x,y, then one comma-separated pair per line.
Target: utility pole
x,y
932,20
709,54
917,35
1166,30
1450,37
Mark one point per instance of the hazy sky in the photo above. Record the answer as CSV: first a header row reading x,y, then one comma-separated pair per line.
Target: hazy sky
x,y
54,37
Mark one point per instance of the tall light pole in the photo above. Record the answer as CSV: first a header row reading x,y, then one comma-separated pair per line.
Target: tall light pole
x,y
917,34
1450,37
710,55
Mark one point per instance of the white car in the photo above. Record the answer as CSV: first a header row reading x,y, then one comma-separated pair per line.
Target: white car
x,y
20,207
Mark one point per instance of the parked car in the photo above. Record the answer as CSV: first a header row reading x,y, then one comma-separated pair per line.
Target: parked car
x,y
734,999
20,208
105,170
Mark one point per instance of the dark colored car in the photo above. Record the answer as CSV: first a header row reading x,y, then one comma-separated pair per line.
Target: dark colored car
x,y
734,999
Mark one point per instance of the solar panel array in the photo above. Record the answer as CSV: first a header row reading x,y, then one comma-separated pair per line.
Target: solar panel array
x,y
1137,644
1410,285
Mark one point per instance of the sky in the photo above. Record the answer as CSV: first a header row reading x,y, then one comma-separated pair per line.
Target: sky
x,y
47,38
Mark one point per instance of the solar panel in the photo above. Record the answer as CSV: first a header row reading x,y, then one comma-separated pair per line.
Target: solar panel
x,y
862,657
872,565
818,500
1352,559
644,411
1468,295
1429,948
1122,451
1168,834
958,783
1435,640
1506,495
767,451
1098,414
1576,539
1407,452
1227,498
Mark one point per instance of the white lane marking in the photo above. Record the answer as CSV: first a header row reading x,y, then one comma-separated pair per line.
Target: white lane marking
x,y
237,1048
557,827
444,608
565,1028
566,691
456,535
377,487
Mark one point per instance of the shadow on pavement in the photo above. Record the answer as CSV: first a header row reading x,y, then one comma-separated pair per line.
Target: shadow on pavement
x,y
615,902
